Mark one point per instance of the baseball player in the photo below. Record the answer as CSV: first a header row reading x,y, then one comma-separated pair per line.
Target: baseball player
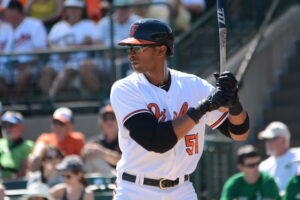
x,y
161,114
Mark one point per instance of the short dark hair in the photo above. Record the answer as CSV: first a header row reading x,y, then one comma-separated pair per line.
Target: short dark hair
x,y
246,151
15,5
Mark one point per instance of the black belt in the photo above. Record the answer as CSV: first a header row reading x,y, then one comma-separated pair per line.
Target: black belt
x,y
161,183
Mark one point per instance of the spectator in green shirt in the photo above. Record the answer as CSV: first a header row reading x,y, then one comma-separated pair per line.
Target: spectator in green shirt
x,y
292,191
14,150
249,183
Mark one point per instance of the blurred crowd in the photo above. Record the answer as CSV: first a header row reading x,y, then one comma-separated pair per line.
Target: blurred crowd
x,y
276,177
35,25
57,163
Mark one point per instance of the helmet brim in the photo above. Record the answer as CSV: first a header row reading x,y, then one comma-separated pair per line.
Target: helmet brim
x,y
134,41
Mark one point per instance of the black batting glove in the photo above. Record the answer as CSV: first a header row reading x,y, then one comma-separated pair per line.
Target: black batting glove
x,y
228,83
215,100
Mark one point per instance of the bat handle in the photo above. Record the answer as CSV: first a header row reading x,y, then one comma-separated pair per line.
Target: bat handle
x,y
222,39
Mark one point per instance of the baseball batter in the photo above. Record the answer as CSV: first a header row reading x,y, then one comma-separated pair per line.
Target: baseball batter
x,y
161,115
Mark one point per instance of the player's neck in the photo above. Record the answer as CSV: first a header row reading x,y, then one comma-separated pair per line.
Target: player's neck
x,y
158,77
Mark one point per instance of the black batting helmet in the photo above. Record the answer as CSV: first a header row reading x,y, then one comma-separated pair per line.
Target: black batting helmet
x,y
147,32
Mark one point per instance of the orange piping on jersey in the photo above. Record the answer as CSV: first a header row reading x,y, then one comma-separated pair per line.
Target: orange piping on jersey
x,y
132,113
219,120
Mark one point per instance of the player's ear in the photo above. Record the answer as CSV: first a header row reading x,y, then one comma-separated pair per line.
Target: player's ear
x,y
162,50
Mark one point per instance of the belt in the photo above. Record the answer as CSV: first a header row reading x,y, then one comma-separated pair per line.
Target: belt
x,y
161,183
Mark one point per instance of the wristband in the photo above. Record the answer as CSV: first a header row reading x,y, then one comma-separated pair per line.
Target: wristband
x,y
239,129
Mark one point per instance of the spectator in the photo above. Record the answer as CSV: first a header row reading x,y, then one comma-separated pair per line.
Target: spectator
x,y
37,191
249,183
63,136
293,189
23,68
70,33
47,173
12,163
123,18
74,186
180,15
48,11
6,42
14,150
195,7
283,162
105,147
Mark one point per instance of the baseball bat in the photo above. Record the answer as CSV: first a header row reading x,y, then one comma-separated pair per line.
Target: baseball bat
x,y
221,8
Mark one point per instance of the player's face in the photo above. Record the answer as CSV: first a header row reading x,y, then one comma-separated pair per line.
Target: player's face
x,y
143,58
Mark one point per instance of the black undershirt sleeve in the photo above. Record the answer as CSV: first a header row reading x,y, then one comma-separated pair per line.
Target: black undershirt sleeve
x,y
147,132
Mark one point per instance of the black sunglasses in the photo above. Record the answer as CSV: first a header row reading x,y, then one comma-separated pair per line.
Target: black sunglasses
x,y
68,176
8,125
252,165
108,116
57,122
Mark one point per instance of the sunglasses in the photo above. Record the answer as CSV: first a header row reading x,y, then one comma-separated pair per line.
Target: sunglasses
x,y
252,165
68,176
138,49
8,125
57,122
108,116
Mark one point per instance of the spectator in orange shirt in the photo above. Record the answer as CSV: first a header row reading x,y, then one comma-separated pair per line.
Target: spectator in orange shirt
x,y
62,136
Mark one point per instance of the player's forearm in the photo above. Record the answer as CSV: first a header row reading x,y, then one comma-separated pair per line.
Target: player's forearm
x,y
182,125
239,126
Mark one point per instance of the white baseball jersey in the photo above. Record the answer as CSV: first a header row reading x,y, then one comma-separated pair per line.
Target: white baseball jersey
x,y
135,94
29,35
6,42
6,39
63,34
282,168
